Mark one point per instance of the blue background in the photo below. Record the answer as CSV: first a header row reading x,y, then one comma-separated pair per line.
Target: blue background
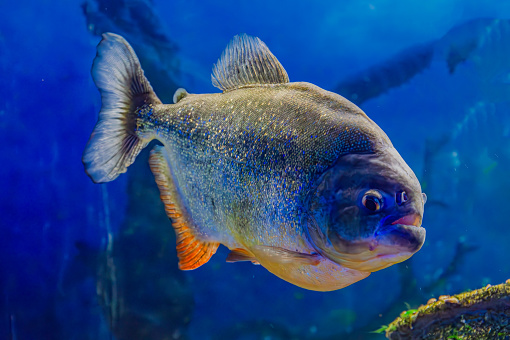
x,y
452,128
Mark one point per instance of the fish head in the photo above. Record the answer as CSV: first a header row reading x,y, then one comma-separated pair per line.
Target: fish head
x,y
365,212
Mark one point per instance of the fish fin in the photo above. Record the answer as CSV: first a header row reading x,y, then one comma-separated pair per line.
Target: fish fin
x,y
246,61
240,255
192,252
284,256
179,94
114,143
309,271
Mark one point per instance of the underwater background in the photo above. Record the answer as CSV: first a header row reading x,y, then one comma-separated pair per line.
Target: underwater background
x,y
86,261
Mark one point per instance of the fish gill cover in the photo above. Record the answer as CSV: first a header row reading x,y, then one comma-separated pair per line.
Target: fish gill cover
x,y
78,261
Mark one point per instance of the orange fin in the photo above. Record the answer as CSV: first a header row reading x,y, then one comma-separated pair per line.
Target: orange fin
x,y
191,251
240,255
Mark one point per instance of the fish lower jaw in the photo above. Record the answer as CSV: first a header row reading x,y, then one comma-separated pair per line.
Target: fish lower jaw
x,y
378,262
372,261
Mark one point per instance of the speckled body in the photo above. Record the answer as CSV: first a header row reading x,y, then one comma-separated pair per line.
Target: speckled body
x,y
245,161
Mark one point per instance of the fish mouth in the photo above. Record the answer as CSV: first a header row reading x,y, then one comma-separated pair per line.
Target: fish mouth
x,y
396,240
405,233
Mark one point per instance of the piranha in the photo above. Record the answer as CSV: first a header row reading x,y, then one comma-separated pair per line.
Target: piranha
x,y
286,175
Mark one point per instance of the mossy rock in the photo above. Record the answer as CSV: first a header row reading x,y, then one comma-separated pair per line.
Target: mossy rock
x,y
479,314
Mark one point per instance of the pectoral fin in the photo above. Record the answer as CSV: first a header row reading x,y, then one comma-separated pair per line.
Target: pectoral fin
x,y
272,254
285,256
191,251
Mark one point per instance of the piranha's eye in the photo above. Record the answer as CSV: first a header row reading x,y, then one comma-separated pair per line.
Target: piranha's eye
x,y
401,197
372,200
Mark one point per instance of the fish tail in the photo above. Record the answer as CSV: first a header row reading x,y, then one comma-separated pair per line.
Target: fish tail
x,y
115,143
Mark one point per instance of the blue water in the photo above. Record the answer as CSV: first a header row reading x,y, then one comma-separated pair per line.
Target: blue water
x,y
77,261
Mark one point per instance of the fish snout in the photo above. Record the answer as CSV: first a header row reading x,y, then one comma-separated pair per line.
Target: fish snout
x,y
396,240
392,244
404,233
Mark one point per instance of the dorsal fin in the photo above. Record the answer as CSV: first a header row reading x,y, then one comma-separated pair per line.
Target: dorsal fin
x,y
191,251
245,61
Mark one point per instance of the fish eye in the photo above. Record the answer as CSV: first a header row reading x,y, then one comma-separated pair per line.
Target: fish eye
x,y
372,200
401,197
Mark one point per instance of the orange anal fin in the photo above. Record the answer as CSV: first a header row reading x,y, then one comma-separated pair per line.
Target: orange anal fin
x,y
191,251
240,255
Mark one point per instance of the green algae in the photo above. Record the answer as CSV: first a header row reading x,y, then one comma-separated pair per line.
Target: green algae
x,y
479,314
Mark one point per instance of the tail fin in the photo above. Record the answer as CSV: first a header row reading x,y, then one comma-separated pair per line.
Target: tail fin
x,y
114,144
